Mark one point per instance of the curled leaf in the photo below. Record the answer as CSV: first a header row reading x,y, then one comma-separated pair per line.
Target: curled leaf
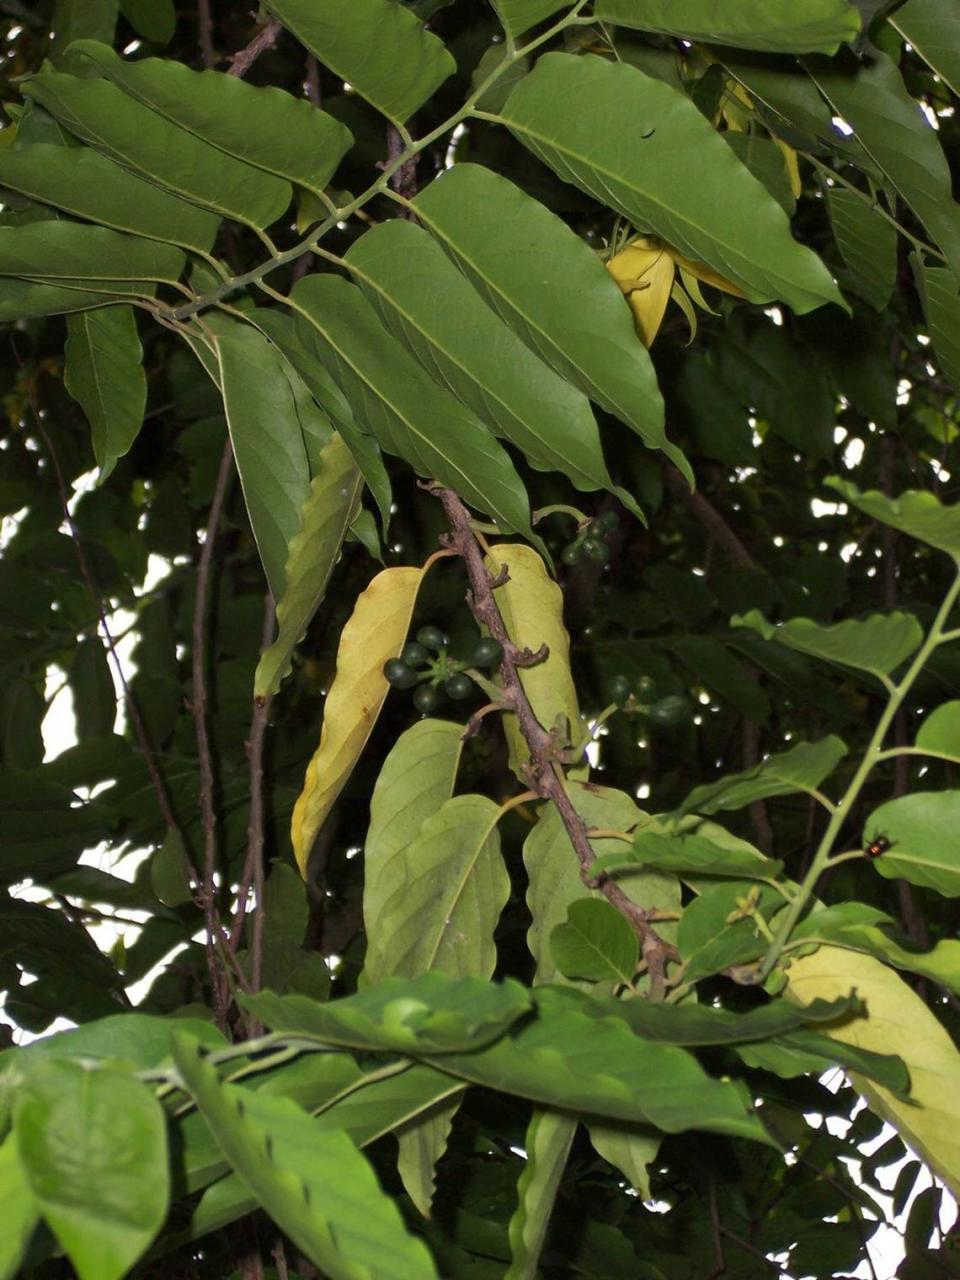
x,y
375,632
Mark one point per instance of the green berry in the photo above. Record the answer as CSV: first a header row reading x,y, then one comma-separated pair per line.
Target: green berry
x,y
646,688
487,653
399,674
618,689
426,698
432,638
608,522
414,655
598,551
458,687
572,553
669,711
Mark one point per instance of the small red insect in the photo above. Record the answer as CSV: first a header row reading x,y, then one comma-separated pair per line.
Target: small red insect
x,y
877,846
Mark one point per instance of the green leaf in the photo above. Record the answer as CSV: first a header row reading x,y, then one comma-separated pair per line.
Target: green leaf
x,y
867,244
139,140
806,1052
170,871
380,48
595,942
802,768
924,833
915,512
103,371
940,731
420,1145
430,1014
93,1145
87,255
629,1148
535,273
155,20
83,182
568,1058
316,1186
21,299
724,674
694,1024
547,1144
518,16
941,305
417,778
432,309
531,605
878,644
688,852
776,26
82,19
365,1112
409,414
44,829
713,210
94,695
312,554
931,27
713,935
443,912
135,1040
553,872
855,926
889,123
264,127
268,412
303,350
18,1210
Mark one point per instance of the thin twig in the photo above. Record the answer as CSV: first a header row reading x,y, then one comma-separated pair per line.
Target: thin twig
x,y
258,731
312,80
208,812
710,518
205,34
266,38
543,772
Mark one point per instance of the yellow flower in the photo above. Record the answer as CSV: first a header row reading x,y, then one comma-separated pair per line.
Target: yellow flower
x,y
646,272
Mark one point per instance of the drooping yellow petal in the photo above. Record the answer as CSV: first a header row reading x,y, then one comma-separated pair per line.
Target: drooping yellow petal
x,y
644,271
375,632
793,167
701,271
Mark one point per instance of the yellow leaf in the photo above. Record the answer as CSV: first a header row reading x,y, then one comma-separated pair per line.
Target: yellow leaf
x,y
897,1021
644,271
532,607
793,168
375,632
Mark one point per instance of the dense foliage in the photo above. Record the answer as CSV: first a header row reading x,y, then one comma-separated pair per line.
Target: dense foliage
x,y
482,476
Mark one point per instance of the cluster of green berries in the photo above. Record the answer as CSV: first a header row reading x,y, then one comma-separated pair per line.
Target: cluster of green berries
x,y
638,697
426,666
591,541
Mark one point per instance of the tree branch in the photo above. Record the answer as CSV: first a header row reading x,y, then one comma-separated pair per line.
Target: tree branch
x,y
266,38
208,813
710,518
544,773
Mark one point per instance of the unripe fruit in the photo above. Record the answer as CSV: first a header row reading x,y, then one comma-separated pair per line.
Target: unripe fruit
x,y
426,699
458,687
414,655
487,653
432,638
399,674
